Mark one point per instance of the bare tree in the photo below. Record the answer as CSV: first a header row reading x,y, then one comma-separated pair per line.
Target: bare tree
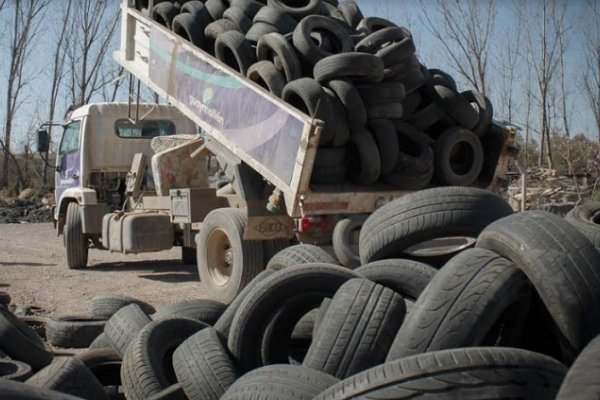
x,y
25,27
465,34
591,76
92,30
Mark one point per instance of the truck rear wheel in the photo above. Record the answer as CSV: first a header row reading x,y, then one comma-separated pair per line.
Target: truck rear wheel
x,y
76,242
227,262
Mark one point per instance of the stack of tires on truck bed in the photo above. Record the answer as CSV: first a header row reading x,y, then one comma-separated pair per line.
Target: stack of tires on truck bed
x,y
389,120
515,316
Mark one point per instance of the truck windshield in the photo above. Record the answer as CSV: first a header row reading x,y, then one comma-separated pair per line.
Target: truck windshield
x,y
144,129
70,139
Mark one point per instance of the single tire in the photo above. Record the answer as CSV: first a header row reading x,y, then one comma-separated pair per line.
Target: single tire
x,y
399,51
358,67
20,391
100,342
363,158
73,331
105,364
249,7
369,25
193,7
216,8
321,311
275,45
104,306
350,98
585,219
267,76
301,289
272,247
173,392
357,330
382,93
148,365
76,242
203,366
21,343
333,175
477,299
239,18
351,12
345,240
486,110
426,116
124,326
204,310
282,22
280,382
381,38
217,28
416,154
258,30
409,179
472,373
341,128
69,375
305,326
233,49
299,254
329,157
408,278
581,382
426,215
14,370
227,262
309,49
191,27
458,157
296,9
561,264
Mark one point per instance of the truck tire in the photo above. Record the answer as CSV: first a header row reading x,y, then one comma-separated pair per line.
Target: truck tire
x,y
204,310
124,326
561,264
234,49
408,278
585,218
104,306
265,75
203,366
299,254
76,242
581,382
458,157
309,49
227,262
357,330
426,215
345,246
73,332
275,45
69,375
469,374
148,364
358,67
14,370
280,382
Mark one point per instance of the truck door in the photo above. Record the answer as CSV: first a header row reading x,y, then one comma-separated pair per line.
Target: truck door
x,y
68,163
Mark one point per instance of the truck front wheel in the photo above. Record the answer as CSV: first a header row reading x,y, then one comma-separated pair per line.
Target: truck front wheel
x,y
76,242
227,262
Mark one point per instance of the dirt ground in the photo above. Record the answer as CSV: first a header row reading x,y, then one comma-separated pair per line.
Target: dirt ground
x,y
34,272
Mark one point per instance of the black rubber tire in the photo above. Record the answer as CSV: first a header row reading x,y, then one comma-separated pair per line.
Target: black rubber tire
x,y
358,67
148,365
348,95
105,364
369,25
272,247
223,324
393,111
426,215
4,298
362,157
217,28
100,342
14,370
581,382
299,254
304,328
351,12
239,18
439,77
382,93
357,329
193,7
333,175
191,27
320,314
375,41
280,382
458,157
454,105
105,305
408,278
308,96
472,373
477,295
426,116
203,366
411,104
398,52
173,392
416,154
216,8
258,30
277,18
123,327
21,343
561,264
264,74
73,331
249,7
275,45
344,247
300,289
164,13
584,218
76,242
309,49
233,49
69,375
297,10
203,310
486,110
247,254
328,157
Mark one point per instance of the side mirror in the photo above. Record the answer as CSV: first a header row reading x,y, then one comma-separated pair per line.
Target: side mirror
x,y
43,141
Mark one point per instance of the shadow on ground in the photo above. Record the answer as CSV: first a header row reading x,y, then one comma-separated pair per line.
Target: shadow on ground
x,y
168,271
26,264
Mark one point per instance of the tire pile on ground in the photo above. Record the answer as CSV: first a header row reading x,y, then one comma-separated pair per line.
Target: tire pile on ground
x,y
388,119
516,316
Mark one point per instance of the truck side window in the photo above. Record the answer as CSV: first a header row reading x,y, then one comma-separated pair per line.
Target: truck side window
x,y
70,139
144,129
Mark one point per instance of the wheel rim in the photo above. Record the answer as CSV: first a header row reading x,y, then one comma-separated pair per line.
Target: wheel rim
x,y
441,246
219,257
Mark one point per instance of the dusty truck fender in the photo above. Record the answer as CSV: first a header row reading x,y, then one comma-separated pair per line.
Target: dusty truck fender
x,y
92,212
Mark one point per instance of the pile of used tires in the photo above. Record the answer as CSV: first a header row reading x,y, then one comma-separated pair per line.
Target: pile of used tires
x,y
515,316
388,119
